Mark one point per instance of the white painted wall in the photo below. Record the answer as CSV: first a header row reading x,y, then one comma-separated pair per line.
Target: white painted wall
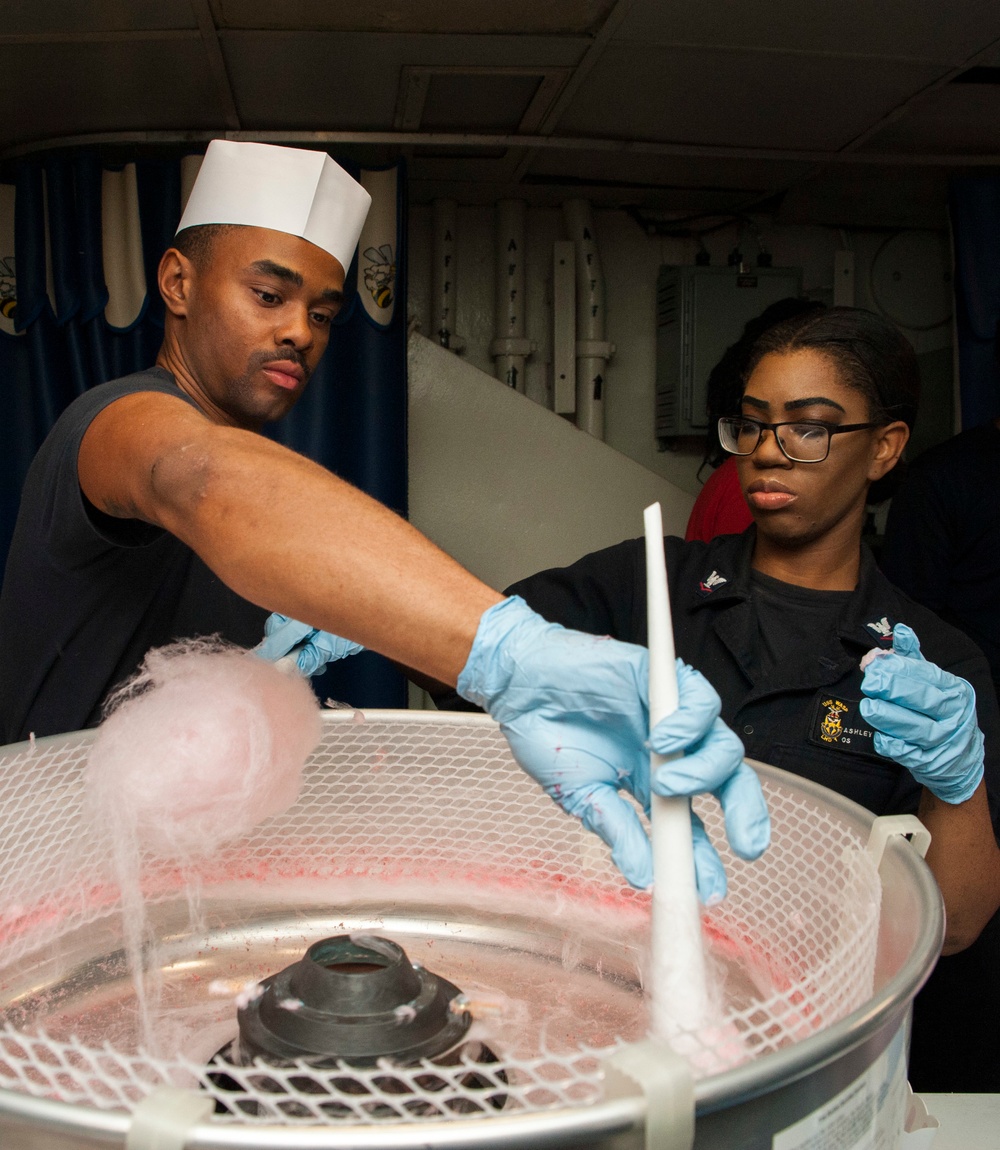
x,y
507,487
631,260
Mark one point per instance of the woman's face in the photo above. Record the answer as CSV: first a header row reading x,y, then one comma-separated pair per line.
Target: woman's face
x,y
799,503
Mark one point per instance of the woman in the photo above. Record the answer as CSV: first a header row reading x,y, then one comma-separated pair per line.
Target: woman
x,y
720,508
780,617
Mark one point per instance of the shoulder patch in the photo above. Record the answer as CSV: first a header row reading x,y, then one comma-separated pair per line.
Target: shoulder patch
x,y
881,629
711,583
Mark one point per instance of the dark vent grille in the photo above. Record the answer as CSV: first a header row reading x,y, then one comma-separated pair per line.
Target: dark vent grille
x,y
979,75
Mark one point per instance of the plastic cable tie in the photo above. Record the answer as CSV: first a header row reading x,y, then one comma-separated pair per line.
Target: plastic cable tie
x,y
164,1119
663,1078
889,826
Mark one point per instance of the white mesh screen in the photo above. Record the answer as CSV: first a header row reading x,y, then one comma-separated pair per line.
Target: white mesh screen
x,y
427,832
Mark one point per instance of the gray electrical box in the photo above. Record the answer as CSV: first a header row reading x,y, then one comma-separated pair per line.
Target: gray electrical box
x,y
700,311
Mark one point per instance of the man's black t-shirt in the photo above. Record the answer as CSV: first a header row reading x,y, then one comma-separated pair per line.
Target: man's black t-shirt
x,y
86,595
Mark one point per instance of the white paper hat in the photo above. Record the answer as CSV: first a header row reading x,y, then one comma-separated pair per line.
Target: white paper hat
x,y
293,190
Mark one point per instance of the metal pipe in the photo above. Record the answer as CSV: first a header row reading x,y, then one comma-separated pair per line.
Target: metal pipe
x,y
479,140
592,350
510,349
444,294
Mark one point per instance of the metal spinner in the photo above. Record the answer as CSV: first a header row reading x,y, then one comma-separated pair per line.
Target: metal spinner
x,y
356,1000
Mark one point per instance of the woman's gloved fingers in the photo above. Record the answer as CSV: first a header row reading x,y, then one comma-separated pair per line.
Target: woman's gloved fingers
x,y
704,768
698,708
915,727
602,810
921,686
709,873
952,771
902,752
905,641
748,823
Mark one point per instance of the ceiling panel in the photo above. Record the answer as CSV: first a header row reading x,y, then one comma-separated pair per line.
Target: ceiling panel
x,y
749,178
350,80
520,17
735,98
957,118
65,89
869,197
45,17
493,102
781,75
917,29
674,200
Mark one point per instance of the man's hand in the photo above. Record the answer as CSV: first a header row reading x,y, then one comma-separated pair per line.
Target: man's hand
x,y
311,648
575,710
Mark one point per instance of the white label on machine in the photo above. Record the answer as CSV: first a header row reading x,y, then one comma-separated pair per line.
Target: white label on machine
x,y
867,1115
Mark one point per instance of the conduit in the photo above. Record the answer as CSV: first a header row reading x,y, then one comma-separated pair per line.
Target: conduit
x,y
443,305
510,349
592,350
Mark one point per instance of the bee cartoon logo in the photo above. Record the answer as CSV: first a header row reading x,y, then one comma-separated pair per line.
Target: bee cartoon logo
x,y
8,288
831,728
380,274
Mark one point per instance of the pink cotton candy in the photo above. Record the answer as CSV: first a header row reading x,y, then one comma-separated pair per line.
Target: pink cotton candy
x,y
204,742
870,656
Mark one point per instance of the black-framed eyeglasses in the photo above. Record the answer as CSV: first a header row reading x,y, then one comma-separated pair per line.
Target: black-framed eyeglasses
x,y
801,441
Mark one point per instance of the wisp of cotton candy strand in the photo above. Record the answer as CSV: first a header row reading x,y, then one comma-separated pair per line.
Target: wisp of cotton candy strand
x,y
204,742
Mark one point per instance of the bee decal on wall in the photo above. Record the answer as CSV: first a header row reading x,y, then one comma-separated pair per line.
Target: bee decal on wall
x,y
380,274
8,288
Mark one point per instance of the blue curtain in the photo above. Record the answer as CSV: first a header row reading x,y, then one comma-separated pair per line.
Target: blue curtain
x,y
352,418
975,219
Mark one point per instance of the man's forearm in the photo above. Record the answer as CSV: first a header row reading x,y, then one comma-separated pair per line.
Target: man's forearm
x,y
290,536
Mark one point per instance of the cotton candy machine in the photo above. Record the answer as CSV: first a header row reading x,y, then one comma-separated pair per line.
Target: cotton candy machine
x,y
415,834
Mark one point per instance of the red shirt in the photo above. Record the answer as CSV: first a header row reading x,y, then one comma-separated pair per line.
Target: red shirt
x,y
720,508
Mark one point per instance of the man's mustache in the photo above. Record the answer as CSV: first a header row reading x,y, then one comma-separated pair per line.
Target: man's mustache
x,y
259,358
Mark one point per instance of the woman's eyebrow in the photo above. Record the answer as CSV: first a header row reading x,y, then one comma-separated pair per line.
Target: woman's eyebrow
x,y
793,404
812,401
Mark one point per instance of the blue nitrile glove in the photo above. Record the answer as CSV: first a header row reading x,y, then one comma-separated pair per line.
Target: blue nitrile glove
x,y
575,711
710,761
924,719
312,648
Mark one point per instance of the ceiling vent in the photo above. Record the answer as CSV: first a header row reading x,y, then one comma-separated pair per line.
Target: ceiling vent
x,y
982,74
488,100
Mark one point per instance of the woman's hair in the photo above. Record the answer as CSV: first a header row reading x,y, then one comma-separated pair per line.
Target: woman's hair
x,y
870,354
725,381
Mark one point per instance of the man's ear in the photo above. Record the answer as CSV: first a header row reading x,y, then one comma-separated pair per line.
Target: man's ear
x,y
888,448
175,277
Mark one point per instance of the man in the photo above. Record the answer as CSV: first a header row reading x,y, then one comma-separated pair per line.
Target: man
x,y
155,510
